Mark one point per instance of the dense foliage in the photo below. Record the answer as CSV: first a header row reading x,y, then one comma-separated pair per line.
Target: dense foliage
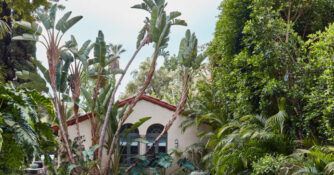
x,y
164,85
270,91
269,98
24,133
16,55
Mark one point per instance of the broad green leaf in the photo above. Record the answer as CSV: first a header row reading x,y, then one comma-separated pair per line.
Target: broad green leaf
x,y
84,47
37,29
149,3
45,19
89,154
44,71
100,49
141,140
68,24
159,2
179,22
87,96
52,15
61,23
186,164
164,35
24,24
142,6
26,37
173,15
107,94
141,35
136,125
71,168
93,61
164,160
154,17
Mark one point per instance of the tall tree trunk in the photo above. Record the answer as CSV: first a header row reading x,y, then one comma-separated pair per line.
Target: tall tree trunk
x,y
147,40
64,134
76,115
53,55
129,110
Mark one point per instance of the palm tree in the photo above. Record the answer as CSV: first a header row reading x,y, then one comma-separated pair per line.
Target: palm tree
x,y
116,50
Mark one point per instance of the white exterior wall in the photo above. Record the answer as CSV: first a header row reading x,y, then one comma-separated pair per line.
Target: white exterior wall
x,y
160,115
85,130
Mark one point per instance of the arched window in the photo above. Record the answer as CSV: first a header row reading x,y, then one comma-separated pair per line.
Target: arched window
x,y
128,148
152,133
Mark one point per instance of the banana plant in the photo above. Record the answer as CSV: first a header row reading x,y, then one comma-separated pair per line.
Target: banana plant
x,y
75,74
189,61
51,41
156,29
98,69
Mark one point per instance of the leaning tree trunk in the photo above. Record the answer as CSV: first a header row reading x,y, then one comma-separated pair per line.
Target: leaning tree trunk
x,y
147,40
128,112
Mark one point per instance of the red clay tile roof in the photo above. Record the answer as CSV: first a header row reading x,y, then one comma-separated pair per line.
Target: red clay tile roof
x,y
121,104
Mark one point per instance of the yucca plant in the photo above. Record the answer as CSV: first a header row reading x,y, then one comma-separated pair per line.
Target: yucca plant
x,y
52,43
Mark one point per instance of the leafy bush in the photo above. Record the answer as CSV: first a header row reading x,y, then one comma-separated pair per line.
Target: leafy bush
x,y
270,165
266,51
24,134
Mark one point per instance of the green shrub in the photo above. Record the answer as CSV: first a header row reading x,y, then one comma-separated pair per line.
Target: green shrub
x,y
270,165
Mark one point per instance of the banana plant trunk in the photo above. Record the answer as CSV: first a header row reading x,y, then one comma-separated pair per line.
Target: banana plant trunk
x,y
53,58
76,108
64,134
94,131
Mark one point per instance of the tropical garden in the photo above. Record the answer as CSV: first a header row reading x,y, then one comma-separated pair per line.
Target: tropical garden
x,y
263,86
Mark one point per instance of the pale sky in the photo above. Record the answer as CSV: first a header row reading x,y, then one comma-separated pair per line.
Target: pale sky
x,y
121,24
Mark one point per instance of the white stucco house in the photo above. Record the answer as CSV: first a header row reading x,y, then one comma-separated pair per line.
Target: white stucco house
x,y
161,112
